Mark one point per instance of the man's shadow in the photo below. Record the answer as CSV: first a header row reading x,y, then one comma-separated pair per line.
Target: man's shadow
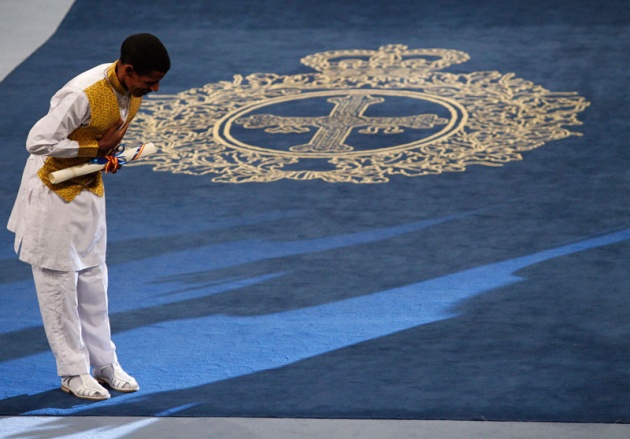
x,y
50,399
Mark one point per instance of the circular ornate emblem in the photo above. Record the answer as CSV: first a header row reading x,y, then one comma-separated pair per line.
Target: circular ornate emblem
x,y
365,116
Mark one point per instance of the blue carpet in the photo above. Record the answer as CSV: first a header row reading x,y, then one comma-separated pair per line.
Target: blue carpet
x,y
496,292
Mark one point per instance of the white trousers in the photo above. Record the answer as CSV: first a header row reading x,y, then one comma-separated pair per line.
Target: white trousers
x,y
75,314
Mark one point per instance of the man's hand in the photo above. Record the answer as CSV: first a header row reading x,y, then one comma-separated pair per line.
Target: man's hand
x,y
111,138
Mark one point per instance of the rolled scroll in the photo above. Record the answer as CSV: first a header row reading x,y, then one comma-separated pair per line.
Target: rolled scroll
x,y
95,165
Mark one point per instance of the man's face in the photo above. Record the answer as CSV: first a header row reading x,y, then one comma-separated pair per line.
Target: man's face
x,y
140,85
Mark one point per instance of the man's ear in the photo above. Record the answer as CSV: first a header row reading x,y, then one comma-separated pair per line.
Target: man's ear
x,y
127,69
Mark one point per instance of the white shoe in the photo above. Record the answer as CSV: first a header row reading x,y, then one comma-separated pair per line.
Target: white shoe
x,y
115,378
85,387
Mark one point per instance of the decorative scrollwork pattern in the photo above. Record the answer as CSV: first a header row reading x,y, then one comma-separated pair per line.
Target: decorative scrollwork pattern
x,y
241,130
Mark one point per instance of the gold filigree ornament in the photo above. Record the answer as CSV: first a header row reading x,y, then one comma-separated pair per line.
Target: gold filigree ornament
x,y
365,116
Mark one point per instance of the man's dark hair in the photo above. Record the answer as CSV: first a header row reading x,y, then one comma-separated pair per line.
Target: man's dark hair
x,y
146,53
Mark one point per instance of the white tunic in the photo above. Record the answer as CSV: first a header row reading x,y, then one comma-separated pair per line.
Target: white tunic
x,y
50,232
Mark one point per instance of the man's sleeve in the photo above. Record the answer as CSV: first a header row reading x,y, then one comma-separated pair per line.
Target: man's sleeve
x,y
69,109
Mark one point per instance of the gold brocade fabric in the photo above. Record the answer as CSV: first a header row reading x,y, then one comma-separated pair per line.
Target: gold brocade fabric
x,y
105,114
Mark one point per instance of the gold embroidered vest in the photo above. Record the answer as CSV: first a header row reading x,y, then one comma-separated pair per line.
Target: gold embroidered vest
x,y
105,114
